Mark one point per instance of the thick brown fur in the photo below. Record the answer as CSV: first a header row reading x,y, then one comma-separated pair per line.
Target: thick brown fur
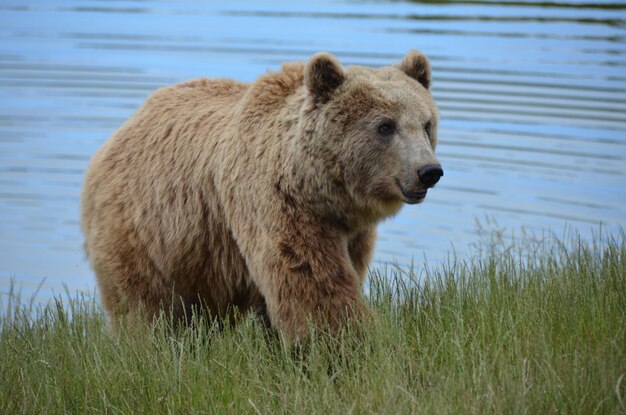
x,y
229,195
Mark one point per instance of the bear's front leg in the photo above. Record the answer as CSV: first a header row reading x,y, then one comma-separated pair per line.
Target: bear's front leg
x,y
310,279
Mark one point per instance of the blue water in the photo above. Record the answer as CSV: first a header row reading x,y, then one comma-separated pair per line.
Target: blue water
x,y
532,99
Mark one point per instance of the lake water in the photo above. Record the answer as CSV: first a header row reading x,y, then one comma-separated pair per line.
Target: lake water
x,y
532,98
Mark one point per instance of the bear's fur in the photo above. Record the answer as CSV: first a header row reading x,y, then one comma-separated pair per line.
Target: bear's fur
x,y
258,196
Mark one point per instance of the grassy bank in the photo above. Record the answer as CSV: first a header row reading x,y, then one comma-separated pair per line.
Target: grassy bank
x,y
529,328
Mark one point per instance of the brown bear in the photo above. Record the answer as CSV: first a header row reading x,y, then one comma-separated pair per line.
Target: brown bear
x,y
259,196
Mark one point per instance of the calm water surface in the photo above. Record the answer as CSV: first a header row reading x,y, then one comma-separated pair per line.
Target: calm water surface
x,y
532,98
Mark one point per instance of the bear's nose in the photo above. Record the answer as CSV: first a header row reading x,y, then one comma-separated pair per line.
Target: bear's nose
x,y
430,174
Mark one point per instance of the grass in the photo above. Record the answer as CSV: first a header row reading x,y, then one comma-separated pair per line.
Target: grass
x,y
525,328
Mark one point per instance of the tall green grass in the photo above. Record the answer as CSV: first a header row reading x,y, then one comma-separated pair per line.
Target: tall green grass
x,y
522,328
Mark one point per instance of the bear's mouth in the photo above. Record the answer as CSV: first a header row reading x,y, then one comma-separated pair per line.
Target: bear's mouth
x,y
412,197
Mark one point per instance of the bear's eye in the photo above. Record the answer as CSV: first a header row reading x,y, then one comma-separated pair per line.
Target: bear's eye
x,y
427,128
387,129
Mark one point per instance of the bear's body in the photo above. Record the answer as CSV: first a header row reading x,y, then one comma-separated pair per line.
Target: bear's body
x,y
262,195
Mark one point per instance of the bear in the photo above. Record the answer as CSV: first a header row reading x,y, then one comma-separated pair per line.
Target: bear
x,y
259,197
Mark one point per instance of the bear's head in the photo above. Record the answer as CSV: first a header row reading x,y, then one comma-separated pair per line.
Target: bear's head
x,y
374,131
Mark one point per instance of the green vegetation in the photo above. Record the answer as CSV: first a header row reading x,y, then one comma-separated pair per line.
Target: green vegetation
x,y
528,328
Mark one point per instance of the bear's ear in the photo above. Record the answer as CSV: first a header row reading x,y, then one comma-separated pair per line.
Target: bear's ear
x,y
416,65
322,75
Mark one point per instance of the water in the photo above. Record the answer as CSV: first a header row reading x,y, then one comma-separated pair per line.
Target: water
x,y
532,98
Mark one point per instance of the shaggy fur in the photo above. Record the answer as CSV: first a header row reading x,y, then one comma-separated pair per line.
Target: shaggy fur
x,y
258,196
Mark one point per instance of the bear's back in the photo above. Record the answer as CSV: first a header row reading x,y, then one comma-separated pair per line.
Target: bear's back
x,y
196,96
135,177
148,197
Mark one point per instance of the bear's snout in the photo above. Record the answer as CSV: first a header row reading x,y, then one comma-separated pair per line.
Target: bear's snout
x,y
430,174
